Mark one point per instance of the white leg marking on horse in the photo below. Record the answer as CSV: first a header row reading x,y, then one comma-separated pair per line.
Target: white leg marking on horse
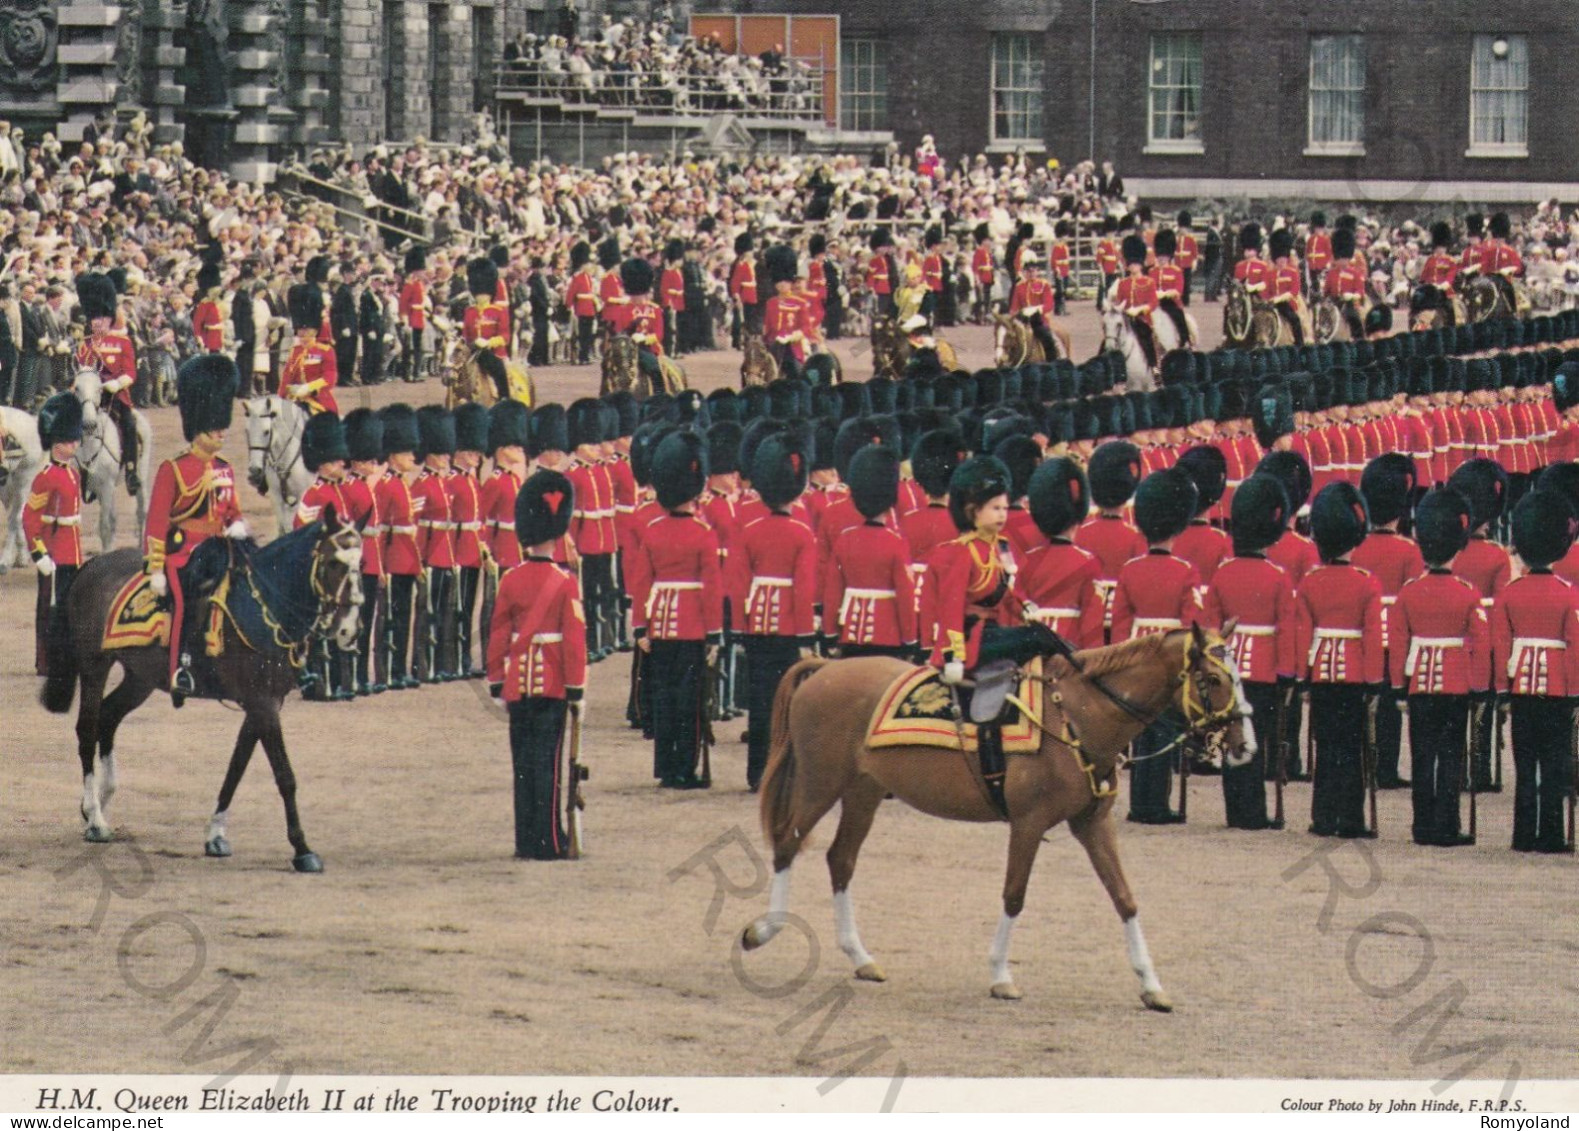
x,y
216,825
92,809
998,959
1151,991
106,777
764,929
844,927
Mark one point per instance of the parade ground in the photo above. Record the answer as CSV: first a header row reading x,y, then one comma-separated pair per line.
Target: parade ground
x,y
424,947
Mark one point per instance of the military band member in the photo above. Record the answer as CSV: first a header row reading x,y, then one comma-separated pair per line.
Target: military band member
x,y
414,311
1259,594
52,523
678,614
471,548
1486,566
1338,650
869,603
1440,660
1059,579
507,440
1157,592
581,296
1114,473
436,544
309,377
486,323
592,524
364,440
747,320
397,509
537,660
772,577
113,357
1535,645
194,498
208,317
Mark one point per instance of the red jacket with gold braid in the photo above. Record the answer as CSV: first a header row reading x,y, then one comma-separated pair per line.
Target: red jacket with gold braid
x,y
1440,637
113,356
970,589
497,511
1060,580
52,518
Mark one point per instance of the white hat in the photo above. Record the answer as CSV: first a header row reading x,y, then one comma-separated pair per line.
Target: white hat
x,y
914,322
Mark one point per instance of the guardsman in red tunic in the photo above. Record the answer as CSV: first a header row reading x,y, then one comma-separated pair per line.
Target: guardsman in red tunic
x,y
671,294
364,440
194,499
881,271
414,309
772,576
52,524
111,355
1058,265
818,272
325,454
593,522
537,663
436,544
581,296
622,413
1338,650
1251,270
308,378
743,298
677,592
1259,595
1109,260
787,323
1059,579
611,288
1388,484
1318,252
1500,260
1187,251
983,273
932,273
1486,566
840,514
638,710
868,599
1345,282
208,317
1286,283
1535,648
932,462
1440,659
1115,472
397,510
1201,544
507,439
638,317
1469,259
1169,280
1437,276
1020,454
1034,300
1563,444
486,324
471,549
1136,296
1157,592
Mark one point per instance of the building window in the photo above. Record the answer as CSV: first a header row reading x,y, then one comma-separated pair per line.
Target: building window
x,y
1175,125
1499,94
863,84
1337,95
1016,89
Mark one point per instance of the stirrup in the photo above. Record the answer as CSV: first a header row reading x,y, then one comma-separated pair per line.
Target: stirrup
x,y
995,681
184,682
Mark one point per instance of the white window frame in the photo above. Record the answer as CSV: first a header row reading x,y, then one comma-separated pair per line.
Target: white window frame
x,y
1329,148
1498,149
1035,61
862,98
1187,145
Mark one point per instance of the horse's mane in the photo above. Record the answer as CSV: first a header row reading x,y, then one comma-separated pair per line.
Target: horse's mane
x,y
1104,661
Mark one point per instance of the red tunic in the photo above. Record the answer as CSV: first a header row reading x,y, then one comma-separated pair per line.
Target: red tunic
x,y
435,527
582,295
1261,594
592,521
208,326
671,289
52,517
1022,534
743,281
322,492
1439,270
1156,592
1345,282
772,578
611,296
1204,547
1059,582
1441,641
1032,294
642,319
932,272
787,321
397,506
1498,258
193,500
969,590
466,513
868,593
1168,281
1295,554
497,510
1394,561
1058,259
1338,634
537,640
113,356
982,266
675,581
1486,566
1535,636
311,364
1255,274
487,327
877,276
1136,296
1318,251
361,497
413,304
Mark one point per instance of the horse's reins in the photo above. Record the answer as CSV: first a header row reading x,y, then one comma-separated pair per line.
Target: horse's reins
x,y
326,609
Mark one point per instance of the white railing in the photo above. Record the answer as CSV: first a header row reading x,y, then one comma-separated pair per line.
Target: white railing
x,y
794,95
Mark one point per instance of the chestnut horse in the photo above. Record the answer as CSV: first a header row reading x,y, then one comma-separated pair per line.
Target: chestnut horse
x,y
1088,717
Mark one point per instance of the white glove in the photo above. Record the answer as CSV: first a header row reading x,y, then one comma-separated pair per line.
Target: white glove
x,y
238,529
159,583
45,566
953,673
298,390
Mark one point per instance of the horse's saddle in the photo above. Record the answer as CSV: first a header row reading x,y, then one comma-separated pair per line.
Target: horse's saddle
x,y
138,618
919,709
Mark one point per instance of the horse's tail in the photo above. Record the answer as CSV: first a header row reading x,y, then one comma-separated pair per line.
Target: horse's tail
x,y
778,780
60,686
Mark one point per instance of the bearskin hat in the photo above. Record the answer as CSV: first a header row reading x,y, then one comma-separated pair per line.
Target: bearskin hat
x,y
1474,224
1291,470
723,404
543,508
874,480
507,426
816,245
1543,528
1388,484
317,272
1281,243
1565,386
499,255
1564,479
1134,249
754,434
1501,228
821,369
416,259
1021,455
780,264
1338,520
978,480
1114,472
1441,235
471,427
679,468
609,253
1165,502
933,459
1261,511
96,296
583,423
1484,484
1208,470
1250,237
690,407
1442,526
1058,495
822,451
627,410
1272,414
482,277
636,276
323,441
883,394
744,243
206,392
1378,319
784,399
580,255
1165,243
778,471
305,302
364,437
60,420
436,429
400,429
208,278
723,448
1343,243
548,430
643,444
854,399
880,239
853,435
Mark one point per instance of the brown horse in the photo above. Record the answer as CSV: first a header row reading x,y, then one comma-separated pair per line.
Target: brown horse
x,y
819,758
1014,343
757,365
281,601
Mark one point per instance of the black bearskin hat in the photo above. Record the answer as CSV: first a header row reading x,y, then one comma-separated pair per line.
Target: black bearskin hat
x,y
1020,454
1114,473
1134,250
317,270
436,429
1281,243
400,429
206,392
1059,496
1338,520
1261,512
1501,228
674,251
627,408
1474,224
543,508
874,480
96,296
1250,237
1165,502
1388,484
208,278
60,420
580,255
1343,243
547,430
323,441
482,277
978,480
1441,235
778,471
933,459
507,426
1442,526
306,306
1291,470
1484,484
416,259
723,448
1208,470
744,243
780,264
471,427
679,468
499,256
1272,414
816,245
582,423
1543,526
1165,243
609,253
364,435
636,276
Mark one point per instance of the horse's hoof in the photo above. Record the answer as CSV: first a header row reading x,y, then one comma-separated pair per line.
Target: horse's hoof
x,y
309,862
750,939
218,846
97,834
871,972
1157,1001
1006,991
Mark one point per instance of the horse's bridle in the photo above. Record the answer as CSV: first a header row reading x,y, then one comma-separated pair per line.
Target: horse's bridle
x,y
1200,718
346,595
268,444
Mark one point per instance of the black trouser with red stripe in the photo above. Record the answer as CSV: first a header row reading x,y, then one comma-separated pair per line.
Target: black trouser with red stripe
x,y
675,670
537,728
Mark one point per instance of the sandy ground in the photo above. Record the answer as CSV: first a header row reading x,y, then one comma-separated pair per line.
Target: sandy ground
x,y
425,948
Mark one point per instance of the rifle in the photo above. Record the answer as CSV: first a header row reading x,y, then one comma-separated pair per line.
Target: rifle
x,y
1186,756
490,593
1281,723
1469,769
1573,779
575,801
711,681
1368,756
1498,716
425,645
1310,736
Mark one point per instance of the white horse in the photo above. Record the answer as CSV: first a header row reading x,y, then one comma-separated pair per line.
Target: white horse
x,y
1167,333
99,458
22,459
1117,335
274,454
